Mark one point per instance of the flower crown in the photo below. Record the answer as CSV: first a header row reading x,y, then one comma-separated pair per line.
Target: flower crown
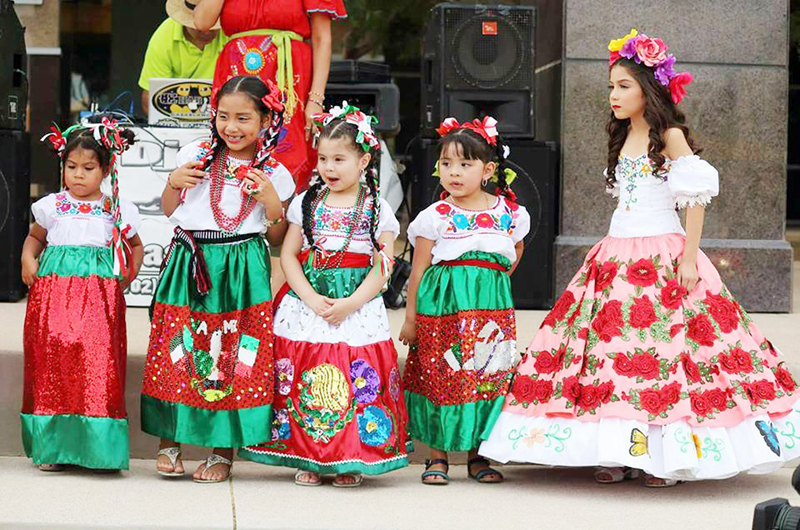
x,y
651,52
365,137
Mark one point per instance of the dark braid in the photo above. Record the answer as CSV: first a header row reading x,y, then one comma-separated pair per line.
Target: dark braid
x,y
503,187
309,199
372,186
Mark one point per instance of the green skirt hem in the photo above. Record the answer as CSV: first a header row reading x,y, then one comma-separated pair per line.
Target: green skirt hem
x,y
208,428
90,442
451,427
365,468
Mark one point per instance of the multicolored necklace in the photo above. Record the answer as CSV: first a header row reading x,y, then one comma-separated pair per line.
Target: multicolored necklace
x,y
324,259
225,222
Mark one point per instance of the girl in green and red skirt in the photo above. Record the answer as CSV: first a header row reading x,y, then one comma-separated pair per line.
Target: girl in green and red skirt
x,y
460,320
208,375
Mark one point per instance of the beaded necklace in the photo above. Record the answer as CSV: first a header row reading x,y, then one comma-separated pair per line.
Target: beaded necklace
x,y
323,259
225,222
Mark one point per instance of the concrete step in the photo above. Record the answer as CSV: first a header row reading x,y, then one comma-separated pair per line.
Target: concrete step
x,y
262,497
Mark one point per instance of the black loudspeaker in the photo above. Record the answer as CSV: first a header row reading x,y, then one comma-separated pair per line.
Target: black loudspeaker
x,y
381,100
14,210
476,61
13,69
536,186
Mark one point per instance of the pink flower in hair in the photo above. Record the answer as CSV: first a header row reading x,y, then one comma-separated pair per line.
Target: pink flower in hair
x,y
677,86
650,51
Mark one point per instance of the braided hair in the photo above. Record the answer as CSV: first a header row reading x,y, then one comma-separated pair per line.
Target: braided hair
x,y
254,88
473,146
335,130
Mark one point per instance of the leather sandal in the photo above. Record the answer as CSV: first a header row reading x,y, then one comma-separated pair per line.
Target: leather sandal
x,y
656,482
301,472
358,478
442,474
483,473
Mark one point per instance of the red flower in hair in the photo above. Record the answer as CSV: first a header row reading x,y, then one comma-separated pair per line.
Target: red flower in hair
x,y
678,84
274,98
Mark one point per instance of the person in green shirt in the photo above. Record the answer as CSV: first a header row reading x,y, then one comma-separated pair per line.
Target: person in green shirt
x,y
177,49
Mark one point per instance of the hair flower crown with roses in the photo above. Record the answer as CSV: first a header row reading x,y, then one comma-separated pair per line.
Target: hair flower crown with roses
x,y
652,53
365,137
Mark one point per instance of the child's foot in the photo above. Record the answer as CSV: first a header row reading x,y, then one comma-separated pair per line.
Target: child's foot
x,y
478,469
51,468
215,469
307,478
612,475
654,482
435,473
348,480
169,463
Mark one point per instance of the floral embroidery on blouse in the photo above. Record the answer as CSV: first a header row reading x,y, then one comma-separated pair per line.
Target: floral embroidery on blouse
x,y
485,221
631,171
335,222
65,206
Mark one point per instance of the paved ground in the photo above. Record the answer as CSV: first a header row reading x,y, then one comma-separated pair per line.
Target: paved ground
x,y
260,497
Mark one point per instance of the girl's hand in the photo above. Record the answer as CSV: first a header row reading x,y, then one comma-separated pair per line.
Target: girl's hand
x,y
408,333
124,283
339,310
257,185
187,176
311,109
687,274
318,304
30,266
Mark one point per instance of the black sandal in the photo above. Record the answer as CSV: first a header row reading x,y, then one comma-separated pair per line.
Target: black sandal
x,y
443,474
479,476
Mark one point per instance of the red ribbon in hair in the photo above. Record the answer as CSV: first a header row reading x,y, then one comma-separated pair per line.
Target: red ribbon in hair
x,y
487,128
274,98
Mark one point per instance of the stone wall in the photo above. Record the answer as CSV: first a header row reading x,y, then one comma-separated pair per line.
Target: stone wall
x,y
736,108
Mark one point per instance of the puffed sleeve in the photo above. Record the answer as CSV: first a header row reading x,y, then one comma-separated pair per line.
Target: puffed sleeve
x,y
130,216
283,182
522,225
334,8
613,191
388,222
295,213
44,210
426,224
693,181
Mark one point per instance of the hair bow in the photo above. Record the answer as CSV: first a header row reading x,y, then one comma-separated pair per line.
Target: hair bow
x,y
366,135
487,128
274,98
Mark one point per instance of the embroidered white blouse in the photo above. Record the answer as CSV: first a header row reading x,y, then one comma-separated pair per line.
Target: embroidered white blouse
x,y
455,230
194,212
647,202
330,224
69,221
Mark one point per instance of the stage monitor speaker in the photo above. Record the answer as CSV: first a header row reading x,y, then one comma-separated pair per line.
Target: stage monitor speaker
x,y
13,69
14,210
476,61
536,186
381,100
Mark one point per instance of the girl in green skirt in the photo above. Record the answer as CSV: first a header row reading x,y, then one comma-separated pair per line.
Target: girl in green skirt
x,y
460,321
208,378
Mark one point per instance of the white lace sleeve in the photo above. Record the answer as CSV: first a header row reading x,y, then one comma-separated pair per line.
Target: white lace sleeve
x,y
693,181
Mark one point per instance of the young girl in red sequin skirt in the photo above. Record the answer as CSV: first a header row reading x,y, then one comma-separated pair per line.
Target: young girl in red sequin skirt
x,y
208,374
81,252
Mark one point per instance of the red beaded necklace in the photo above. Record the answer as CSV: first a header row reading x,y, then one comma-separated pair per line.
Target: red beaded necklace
x,y
332,260
225,222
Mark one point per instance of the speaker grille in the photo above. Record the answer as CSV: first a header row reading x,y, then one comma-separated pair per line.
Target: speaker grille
x,y
488,48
